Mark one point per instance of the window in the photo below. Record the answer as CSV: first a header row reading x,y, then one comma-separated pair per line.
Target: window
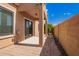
x,y
6,22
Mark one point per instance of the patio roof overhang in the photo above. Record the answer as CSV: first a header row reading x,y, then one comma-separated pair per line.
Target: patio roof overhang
x,y
25,14
30,10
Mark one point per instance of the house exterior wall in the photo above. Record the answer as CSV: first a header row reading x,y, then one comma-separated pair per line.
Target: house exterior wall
x,y
18,26
36,26
4,42
8,39
68,35
36,32
32,7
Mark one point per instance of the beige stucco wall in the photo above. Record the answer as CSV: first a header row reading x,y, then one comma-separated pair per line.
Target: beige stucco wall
x,y
6,42
8,39
36,28
20,27
68,35
32,7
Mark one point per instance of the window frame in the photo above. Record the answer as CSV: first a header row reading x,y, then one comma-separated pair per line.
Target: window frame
x,y
12,14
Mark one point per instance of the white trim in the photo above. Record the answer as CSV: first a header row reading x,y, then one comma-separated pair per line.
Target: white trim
x,y
6,36
28,19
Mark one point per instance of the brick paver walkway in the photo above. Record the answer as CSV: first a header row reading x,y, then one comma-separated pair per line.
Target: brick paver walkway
x,y
49,49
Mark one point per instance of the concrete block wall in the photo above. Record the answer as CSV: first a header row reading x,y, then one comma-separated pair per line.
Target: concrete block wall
x,y
68,35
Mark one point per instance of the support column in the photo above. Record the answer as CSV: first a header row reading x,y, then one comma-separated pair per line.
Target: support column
x,y
41,24
33,28
46,27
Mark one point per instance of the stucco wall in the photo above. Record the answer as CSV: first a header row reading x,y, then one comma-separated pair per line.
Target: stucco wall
x,y
36,27
20,27
68,35
6,42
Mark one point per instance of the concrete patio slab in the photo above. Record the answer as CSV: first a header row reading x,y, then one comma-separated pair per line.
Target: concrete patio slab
x,y
32,40
20,50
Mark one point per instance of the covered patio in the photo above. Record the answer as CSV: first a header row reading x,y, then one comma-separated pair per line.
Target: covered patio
x,y
36,13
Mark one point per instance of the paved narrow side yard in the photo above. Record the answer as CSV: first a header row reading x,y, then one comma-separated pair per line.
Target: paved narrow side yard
x,y
49,49
52,47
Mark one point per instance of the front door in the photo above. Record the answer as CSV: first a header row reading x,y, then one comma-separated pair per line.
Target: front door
x,y
28,28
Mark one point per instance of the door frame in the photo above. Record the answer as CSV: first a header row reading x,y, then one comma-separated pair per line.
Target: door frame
x,y
26,19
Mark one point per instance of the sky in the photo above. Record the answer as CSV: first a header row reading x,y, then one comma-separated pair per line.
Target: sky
x,y
59,12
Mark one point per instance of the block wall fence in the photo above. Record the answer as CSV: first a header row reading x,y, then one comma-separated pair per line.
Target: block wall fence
x,y
67,34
